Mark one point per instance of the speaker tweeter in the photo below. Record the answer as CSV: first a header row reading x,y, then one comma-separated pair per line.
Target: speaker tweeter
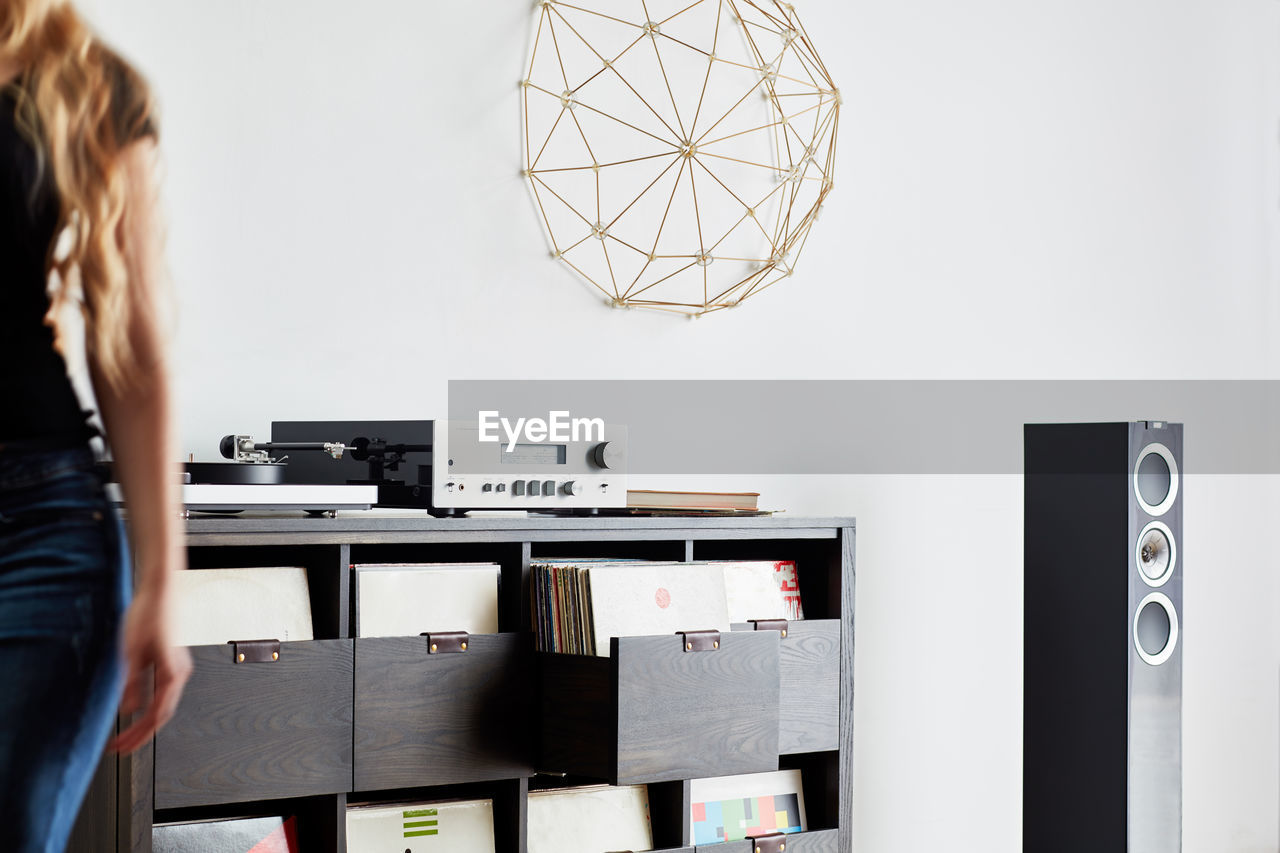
x,y
1157,553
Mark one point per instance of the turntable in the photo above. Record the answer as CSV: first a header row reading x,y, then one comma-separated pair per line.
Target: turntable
x,y
255,482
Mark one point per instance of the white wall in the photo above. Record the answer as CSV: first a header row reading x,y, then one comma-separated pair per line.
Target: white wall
x,y
1039,190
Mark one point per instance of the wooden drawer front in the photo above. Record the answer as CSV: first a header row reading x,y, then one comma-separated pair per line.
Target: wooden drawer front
x,y
817,841
686,715
424,719
258,731
809,708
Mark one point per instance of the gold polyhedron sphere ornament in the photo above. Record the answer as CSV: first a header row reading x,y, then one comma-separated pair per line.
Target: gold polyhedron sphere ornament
x,y
678,152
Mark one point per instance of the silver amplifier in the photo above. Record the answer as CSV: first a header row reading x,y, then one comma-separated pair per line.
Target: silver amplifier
x,y
579,467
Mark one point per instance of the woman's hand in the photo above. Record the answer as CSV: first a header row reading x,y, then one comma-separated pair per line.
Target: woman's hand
x,y
148,644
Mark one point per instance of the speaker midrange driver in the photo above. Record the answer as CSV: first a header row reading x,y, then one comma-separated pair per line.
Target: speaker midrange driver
x,y
1155,479
1155,629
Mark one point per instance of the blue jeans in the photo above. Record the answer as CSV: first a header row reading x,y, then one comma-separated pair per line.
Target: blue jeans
x,y
64,586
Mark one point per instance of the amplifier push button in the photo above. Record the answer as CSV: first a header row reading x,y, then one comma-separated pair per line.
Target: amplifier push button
x,y
517,488
548,488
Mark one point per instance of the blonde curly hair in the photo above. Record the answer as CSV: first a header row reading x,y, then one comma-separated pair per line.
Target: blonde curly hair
x,y
81,105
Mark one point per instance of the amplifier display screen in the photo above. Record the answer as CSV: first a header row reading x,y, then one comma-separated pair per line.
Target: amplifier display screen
x,y
535,454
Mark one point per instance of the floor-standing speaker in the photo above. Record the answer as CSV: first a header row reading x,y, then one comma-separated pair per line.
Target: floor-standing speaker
x,y
1102,708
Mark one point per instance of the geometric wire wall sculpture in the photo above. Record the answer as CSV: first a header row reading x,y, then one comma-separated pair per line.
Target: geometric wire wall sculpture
x,y
678,151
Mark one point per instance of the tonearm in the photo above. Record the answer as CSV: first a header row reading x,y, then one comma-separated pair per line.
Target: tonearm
x,y
378,453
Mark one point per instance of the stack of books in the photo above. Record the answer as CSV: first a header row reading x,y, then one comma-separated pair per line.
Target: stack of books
x,y
663,502
579,604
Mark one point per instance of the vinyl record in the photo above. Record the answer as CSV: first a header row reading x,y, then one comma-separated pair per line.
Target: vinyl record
x,y
236,473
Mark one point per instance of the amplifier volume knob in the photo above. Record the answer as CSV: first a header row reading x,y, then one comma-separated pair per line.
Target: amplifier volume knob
x,y
572,487
606,454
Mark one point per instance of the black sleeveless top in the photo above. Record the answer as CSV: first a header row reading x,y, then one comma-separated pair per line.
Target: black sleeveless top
x,y
37,400
36,397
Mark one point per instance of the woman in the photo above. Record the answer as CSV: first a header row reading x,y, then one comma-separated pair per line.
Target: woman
x,y
78,203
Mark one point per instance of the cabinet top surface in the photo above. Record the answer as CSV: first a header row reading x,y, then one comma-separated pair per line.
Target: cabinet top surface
x,y
393,521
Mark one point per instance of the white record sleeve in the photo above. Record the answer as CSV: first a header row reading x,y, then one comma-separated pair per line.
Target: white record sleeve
x,y
761,589
406,599
215,606
645,599
454,826
590,820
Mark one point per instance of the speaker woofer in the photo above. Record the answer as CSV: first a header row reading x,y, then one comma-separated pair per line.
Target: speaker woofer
x,y
1155,479
1156,553
1155,629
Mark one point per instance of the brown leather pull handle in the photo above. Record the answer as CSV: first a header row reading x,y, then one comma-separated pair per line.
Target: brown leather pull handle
x,y
700,641
775,843
779,625
447,642
254,651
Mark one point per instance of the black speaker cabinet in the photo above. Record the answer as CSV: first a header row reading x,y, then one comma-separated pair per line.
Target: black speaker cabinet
x,y
1102,708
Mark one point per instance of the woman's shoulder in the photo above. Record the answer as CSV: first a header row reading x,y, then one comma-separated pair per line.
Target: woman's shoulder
x,y
131,107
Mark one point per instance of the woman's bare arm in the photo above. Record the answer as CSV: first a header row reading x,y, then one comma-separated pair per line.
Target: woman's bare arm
x,y
140,430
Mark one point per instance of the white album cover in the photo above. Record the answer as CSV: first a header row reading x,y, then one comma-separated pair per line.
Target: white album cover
x,y
406,599
761,589
647,599
215,606
452,826
590,820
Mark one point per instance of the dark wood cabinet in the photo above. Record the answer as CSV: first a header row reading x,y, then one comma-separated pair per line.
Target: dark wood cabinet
x,y
340,720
